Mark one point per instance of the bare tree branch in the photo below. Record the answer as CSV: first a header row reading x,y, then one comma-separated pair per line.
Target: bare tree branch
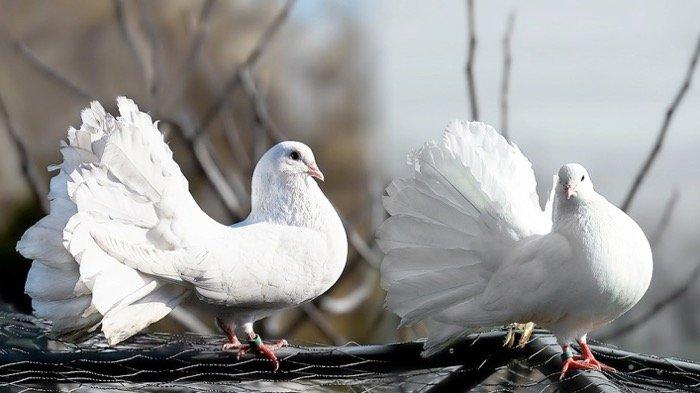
x,y
35,181
140,49
629,327
321,322
205,161
469,67
189,320
192,54
26,53
643,172
198,37
233,137
250,60
665,218
367,253
153,44
260,114
505,81
352,300
268,35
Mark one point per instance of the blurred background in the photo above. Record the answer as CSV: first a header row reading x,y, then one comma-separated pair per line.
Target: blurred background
x,y
363,83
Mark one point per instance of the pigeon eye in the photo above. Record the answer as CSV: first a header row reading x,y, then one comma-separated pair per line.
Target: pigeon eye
x,y
294,156
583,177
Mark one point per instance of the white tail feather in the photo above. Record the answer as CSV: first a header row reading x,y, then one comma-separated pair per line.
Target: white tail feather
x,y
471,197
113,176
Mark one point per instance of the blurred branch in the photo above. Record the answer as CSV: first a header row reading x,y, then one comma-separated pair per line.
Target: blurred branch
x,y
321,322
260,114
469,67
664,129
192,54
35,181
505,81
656,308
189,321
354,299
26,53
665,218
140,49
249,62
368,254
198,37
204,159
233,136
153,44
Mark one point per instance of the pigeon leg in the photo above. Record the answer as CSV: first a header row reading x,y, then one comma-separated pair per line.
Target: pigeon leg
x,y
230,330
265,350
526,335
571,362
590,359
510,337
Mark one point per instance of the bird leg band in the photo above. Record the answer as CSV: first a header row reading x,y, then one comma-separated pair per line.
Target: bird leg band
x,y
567,354
255,342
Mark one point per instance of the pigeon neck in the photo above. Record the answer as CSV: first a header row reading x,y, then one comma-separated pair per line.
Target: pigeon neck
x,y
289,200
566,207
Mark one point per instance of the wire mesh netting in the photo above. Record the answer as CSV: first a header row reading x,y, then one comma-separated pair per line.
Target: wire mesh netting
x,y
31,361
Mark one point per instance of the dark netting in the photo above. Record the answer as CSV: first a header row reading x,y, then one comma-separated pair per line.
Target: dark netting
x,y
30,361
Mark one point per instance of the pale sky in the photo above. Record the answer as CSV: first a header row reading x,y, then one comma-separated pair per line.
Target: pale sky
x,y
591,82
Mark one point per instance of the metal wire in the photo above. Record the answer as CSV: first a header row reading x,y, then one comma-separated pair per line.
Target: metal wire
x,y
31,361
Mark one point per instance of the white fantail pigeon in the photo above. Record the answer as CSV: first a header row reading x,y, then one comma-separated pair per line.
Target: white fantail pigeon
x,y
125,241
468,246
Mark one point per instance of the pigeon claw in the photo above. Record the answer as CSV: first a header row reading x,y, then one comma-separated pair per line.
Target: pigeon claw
x,y
232,346
585,361
526,333
576,364
602,366
267,351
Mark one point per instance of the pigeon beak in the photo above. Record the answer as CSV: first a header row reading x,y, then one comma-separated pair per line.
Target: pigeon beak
x,y
569,191
315,172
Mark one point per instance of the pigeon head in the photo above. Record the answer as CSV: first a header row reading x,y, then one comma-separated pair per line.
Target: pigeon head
x,y
289,161
283,187
574,182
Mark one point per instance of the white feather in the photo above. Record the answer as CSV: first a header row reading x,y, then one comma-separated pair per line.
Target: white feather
x,y
468,245
125,241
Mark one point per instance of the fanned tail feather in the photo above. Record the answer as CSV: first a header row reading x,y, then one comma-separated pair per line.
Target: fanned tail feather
x,y
470,198
117,178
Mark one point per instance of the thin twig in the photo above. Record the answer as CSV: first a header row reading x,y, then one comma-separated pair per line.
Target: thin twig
x,y
469,67
204,159
233,136
35,181
353,299
505,81
260,114
26,53
153,44
249,61
139,49
189,320
368,254
198,37
192,54
631,326
321,322
665,218
643,172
